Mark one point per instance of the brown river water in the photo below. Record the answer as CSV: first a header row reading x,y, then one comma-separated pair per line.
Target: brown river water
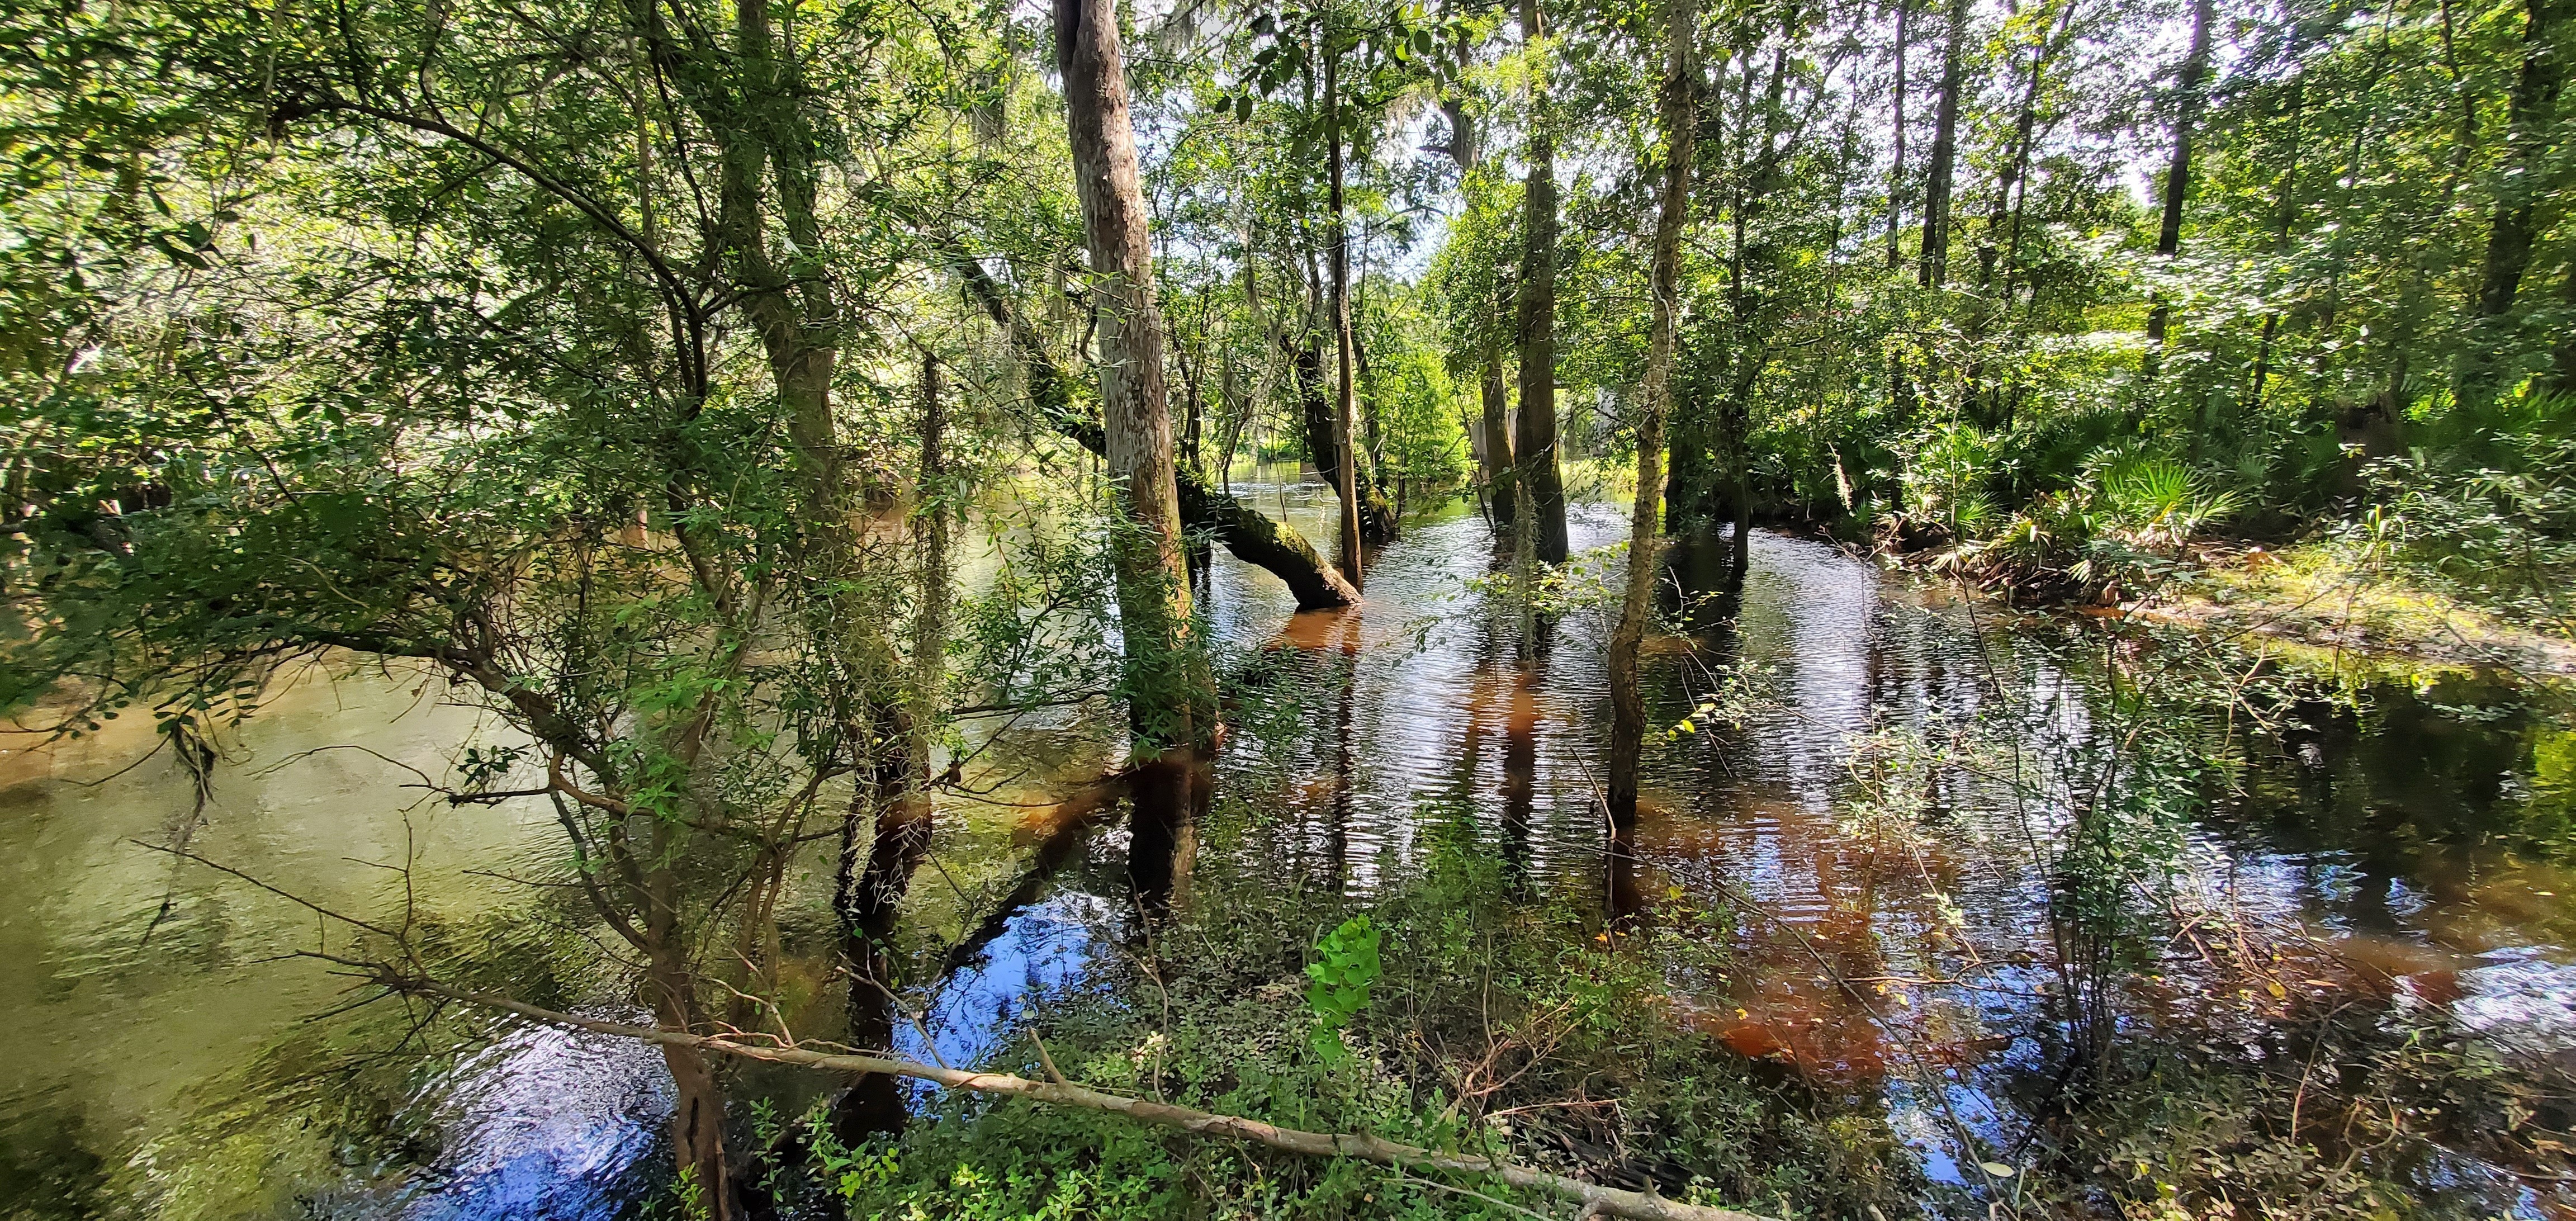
x,y
2401,847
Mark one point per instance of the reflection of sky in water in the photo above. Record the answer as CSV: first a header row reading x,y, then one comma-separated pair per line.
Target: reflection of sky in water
x,y
549,1124
2519,1002
978,1012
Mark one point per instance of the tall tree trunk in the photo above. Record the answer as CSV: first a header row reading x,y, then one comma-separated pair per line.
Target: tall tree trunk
x,y
1344,434
1627,701
1935,268
1896,171
2193,95
1495,455
1691,419
2535,105
1757,176
1534,447
930,619
2284,213
1171,696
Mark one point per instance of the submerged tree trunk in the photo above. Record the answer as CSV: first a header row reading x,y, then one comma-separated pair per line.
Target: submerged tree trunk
x,y
1627,701
1542,491
1171,697
2194,95
1497,458
1935,269
1345,437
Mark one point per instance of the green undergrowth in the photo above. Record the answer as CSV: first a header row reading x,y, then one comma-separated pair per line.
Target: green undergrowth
x,y
1496,1022
2385,1119
2332,595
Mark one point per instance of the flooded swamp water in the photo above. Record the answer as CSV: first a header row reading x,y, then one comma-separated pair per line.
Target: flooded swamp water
x,y
2393,851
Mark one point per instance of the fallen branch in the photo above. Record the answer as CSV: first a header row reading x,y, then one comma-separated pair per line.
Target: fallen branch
x,y
1605,1201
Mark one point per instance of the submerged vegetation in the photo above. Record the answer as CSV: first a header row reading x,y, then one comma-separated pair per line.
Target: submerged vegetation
x,y
1210,554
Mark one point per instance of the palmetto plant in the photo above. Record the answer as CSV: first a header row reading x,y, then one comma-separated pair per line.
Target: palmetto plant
x,y
2159,503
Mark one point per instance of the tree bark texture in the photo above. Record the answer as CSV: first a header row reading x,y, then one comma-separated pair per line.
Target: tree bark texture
x,y
1541,489
1937,178
1171,696
1344,434
1627,699
2535,104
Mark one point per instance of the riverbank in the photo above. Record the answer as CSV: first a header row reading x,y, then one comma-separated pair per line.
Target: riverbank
x,y
2319,596
2325,597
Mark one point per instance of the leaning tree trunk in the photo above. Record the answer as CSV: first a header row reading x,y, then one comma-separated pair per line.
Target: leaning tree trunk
x,y
1250,534
1541,490
1627,702
1378,522
1171,697
1937,178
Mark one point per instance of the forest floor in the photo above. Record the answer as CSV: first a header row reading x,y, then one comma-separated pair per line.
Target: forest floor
x,y
2316,595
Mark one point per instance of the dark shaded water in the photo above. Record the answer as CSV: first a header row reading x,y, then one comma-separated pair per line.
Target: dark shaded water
x,y
2408,854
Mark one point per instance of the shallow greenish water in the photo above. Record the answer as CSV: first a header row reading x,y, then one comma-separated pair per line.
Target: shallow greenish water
x,y
2415,843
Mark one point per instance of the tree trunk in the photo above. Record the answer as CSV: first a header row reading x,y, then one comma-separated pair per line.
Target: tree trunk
x,y
1497,456
1896,172
1534,447
2535,103
1171,697
1378,521
1935,269
2016,159
1344,434
1627,701
1251,535
2193,96
2564,358
930,619
1690,420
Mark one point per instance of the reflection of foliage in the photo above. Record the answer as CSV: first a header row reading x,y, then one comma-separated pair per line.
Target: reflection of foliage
x,y
1503,1027
1043,628
332,1101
